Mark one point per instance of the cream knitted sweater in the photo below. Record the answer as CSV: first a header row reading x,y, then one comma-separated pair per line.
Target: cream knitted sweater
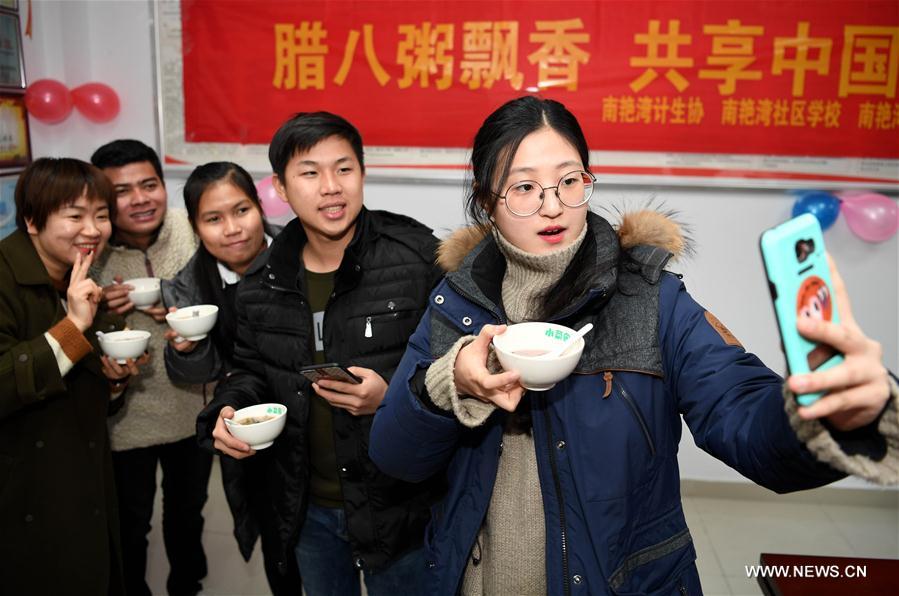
x,y
509,557
156,411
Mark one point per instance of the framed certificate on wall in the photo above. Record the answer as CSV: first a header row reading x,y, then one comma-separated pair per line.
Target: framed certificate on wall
x,y
15,148
7,204
12,70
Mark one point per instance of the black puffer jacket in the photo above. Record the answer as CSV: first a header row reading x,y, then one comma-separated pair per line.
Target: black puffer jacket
x,y
208,363
383,282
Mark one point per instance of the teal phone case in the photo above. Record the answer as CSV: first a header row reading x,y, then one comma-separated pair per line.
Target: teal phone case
x,y
800,288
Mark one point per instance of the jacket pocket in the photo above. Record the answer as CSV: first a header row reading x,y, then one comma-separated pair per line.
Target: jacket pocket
x,y
638,415
655,569
607,431
382,320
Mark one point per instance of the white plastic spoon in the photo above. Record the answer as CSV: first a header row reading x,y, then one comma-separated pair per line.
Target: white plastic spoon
x,y
558,352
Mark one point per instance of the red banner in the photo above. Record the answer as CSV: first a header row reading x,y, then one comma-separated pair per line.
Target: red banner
x,y
732,77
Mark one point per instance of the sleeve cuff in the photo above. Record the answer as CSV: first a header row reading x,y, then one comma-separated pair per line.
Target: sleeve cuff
x,y
441,386
827,449
68,345
72,341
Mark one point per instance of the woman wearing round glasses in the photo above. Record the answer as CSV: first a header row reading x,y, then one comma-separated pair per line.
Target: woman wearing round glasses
x,y
575,490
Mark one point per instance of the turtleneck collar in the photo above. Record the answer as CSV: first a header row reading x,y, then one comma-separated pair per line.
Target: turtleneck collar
x,y
529,275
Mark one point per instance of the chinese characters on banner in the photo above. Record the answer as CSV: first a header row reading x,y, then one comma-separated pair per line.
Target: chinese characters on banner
x,y
679,77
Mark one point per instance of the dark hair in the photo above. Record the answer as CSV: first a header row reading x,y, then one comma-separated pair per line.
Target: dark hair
x,y
126,151
498,140
51,183
209,281
491,157
304,131
213,173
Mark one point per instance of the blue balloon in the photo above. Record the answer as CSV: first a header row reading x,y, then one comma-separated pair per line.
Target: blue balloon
x,y
822,205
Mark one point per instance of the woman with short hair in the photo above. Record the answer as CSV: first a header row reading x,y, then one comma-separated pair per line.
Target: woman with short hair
x,y
58,513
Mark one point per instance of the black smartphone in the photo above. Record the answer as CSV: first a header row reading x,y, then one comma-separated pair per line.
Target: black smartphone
x,y
330,370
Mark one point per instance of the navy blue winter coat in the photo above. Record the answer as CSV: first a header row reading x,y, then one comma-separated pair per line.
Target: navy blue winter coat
x,y
606,438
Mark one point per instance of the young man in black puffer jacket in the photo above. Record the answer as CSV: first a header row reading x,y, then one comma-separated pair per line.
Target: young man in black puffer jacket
x,y
339,284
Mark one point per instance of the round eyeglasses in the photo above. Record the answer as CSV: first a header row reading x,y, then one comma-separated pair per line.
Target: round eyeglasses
x,y
526,197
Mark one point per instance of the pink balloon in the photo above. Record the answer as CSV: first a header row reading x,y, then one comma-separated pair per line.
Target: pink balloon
x,y
96,102
48,100
272,205
871,216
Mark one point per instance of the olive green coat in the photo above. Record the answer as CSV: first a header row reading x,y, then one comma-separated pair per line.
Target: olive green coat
x,y
59,529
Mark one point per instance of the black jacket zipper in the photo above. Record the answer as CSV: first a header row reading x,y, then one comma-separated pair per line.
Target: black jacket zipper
x,y
566,585
281,289
295,530
636,411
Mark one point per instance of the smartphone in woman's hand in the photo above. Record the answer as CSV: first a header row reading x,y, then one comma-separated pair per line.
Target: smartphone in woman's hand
x,y
800,286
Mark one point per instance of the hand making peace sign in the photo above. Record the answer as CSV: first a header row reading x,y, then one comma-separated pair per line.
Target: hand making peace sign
x,y
83,295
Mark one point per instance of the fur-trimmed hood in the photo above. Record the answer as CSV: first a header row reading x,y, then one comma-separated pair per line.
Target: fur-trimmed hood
x,y
643,227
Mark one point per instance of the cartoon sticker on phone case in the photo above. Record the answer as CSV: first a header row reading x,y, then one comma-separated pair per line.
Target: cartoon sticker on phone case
x,y
813,300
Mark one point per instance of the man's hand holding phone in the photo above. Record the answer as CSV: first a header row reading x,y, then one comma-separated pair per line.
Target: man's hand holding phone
x,y
357,398
857,389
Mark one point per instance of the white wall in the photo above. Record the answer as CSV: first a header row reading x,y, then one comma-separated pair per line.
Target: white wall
x,y
79,41
76,42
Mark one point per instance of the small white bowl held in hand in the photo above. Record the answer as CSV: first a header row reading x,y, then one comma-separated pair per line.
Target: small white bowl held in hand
x,y
522,348
121,345
193,322
259,425
146,291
